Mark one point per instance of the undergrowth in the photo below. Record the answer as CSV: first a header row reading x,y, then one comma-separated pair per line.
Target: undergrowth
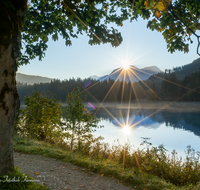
x,y
148,168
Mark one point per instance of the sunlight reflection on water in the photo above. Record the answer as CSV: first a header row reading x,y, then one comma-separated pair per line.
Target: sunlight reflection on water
x,y
159,133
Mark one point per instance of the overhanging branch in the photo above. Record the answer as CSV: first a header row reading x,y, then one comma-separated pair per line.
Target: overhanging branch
x,y
188,27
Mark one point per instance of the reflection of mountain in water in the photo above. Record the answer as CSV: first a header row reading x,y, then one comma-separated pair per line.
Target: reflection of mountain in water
x,y
137,121
151,119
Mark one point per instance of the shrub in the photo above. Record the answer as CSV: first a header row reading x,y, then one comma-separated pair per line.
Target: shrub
x,y
41,118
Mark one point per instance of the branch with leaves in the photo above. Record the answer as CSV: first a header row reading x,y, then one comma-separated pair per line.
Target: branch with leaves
x,y
177,20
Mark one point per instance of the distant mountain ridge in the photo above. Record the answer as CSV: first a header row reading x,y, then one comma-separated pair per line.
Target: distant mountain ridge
x,y
94,77
133,74
188,69
181,72
32,79
141,74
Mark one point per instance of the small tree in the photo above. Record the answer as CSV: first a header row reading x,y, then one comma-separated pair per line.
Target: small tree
x,y
79,122
41,118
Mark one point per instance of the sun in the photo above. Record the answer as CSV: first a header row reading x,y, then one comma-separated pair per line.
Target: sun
x,y
126,130
125,65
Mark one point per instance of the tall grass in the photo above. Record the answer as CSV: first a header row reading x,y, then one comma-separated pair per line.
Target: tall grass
x,y
147,160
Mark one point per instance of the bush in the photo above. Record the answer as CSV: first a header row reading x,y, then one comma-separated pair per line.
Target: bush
x,y
41,118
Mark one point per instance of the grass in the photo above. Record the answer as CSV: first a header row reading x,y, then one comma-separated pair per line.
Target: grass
x,y
150,169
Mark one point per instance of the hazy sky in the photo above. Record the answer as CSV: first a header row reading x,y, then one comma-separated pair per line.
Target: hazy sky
x,y
141,46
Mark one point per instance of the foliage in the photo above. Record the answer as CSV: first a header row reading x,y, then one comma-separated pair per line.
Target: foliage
x,y
79,121
139,168
22,181
176,20
41,118
51,18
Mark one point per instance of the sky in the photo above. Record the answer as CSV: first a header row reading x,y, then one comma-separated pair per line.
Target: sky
x,y
141,47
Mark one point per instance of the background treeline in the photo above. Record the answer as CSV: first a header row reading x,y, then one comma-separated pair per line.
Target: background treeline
x,y
165,86
96,91
171,88
185,70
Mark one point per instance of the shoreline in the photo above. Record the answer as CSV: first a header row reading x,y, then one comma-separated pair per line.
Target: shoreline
x,y
183,106
165,105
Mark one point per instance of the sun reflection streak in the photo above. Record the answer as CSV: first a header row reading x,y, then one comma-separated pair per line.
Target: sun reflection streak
x,y
128,111
134,91
124,81
110,89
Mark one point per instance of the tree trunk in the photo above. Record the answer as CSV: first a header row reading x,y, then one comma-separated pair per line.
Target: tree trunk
x,y
11,18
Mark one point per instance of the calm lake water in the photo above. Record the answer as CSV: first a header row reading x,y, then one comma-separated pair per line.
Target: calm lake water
x,y
174,129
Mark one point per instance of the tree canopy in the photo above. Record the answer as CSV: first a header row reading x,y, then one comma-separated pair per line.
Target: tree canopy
x,y
176,20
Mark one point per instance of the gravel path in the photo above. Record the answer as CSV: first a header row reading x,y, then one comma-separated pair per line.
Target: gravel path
x,y
56,174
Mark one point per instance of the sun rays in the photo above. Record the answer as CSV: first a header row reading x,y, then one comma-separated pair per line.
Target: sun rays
x,y
131,72
128,124
128,72
125,65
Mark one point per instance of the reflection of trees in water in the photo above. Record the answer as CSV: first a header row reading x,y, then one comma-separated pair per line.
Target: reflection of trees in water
x,y
183,120
180,120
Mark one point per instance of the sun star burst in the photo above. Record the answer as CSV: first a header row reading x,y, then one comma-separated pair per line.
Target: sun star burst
x,y
125,65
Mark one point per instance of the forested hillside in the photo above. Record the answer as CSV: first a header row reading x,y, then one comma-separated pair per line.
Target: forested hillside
x,y
159,87
185,70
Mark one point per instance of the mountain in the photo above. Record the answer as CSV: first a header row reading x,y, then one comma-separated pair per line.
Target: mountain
x,y
152,69
180,72
141,74
186,70
94,77
31,79
133,74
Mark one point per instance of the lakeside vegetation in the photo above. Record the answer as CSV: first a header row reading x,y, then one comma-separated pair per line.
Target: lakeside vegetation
x,y
108,163
146,168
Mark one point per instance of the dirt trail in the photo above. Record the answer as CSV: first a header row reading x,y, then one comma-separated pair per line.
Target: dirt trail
x,y
56,174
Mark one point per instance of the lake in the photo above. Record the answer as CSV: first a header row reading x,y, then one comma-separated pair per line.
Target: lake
x,y
175,125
